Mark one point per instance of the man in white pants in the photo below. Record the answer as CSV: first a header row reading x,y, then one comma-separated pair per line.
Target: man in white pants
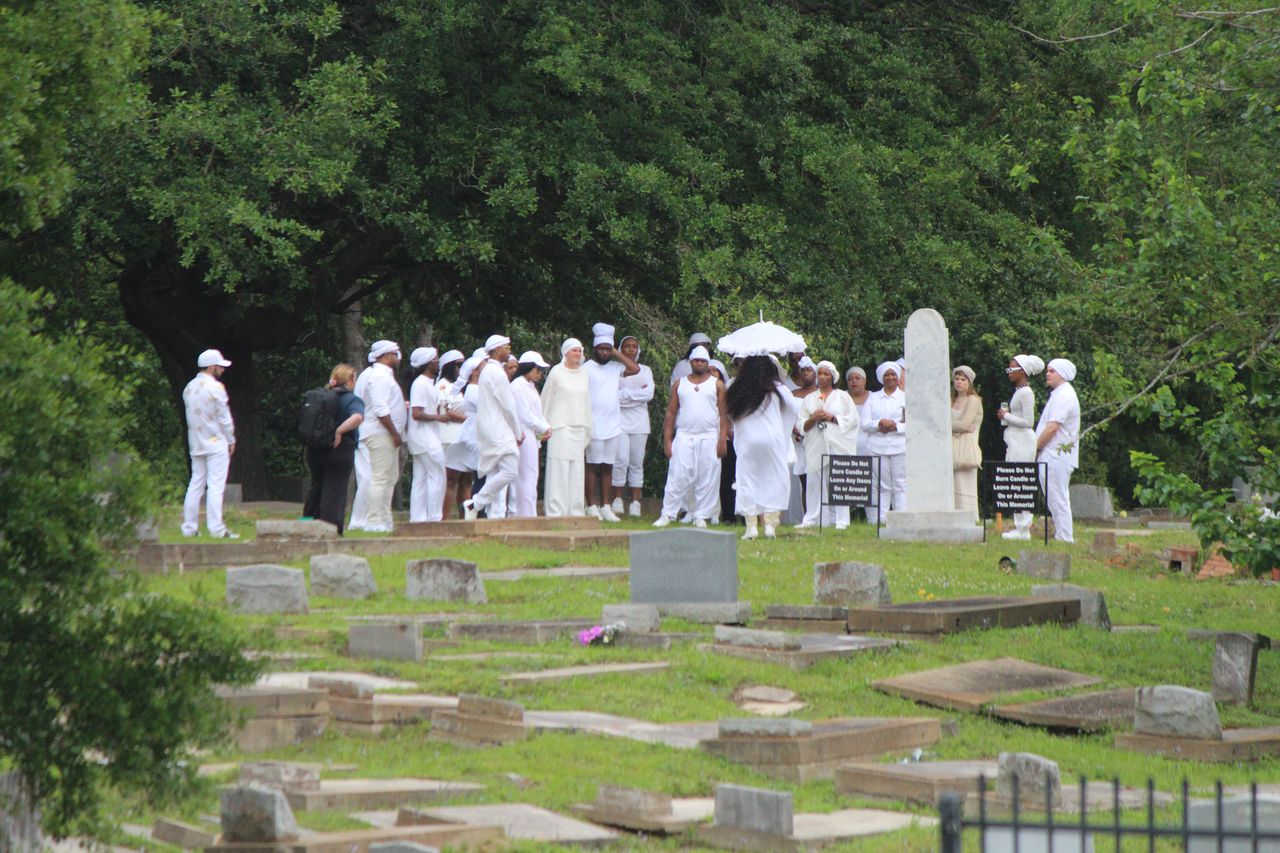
x,y
634,394
360,503
426,496
693,433
211,440
886,437
605,369
385,419
498,431
1058,443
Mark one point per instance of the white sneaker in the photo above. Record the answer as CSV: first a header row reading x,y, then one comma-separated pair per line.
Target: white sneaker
x,y
662,521
1016,534
469,511
607,514
616,506
593,511
686,519
633,510
700,523
805,525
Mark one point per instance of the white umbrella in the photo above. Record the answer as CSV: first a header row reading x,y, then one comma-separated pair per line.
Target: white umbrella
x,y
761,339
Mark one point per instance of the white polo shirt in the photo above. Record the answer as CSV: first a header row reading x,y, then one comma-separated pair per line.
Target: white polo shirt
x,y
384,397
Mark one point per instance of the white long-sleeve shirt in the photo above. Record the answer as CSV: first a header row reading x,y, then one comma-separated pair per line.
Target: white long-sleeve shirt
x,y
209,426
529,408
880,405
384,398
634,393
497,429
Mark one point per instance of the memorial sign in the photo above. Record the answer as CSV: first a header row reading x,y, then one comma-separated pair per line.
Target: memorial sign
x,y
1015,486
849,481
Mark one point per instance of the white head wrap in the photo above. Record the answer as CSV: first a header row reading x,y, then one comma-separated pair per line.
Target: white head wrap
x,y
967,371
885,367
495,341
806,362
421,356
719,365
700,352
699,338
381,348
626,338
603,334
1063,368
450,357
855,369
1032,365
826,365
570,343
469,367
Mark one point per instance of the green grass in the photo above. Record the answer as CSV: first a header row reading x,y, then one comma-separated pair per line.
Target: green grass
x,y
562,769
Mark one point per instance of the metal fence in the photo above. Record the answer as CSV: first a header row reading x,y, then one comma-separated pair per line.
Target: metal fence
x,y
1239,823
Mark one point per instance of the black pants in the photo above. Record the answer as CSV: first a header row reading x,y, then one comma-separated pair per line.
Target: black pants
x,y
728,495
330,473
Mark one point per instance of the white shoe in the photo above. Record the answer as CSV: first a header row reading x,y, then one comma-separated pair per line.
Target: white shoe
x,y
607,514
842,527
700,523
771,525
227,534
662,521
1016,534
753,530
805,525
469,511
633,510
686,519
616,506
593,512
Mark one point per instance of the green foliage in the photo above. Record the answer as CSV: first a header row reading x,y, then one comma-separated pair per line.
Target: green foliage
x,y
102,681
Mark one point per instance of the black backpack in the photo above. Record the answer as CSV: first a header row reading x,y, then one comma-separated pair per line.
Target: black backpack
x,y
318,418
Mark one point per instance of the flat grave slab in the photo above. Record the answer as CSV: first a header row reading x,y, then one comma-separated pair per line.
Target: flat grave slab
x,y
566,540
918,782
815,753
387,710
767,701
969,686
490,526
519,822
1236,745
949,616
532,632
357,679
277,716
820,618
440,835
645,811
480,721
1097,797
582,572
813,648
162,558
812,831
562,673
1082,712
349,794
675,735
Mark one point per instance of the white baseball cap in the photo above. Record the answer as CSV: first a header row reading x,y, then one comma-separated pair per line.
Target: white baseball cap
x,y
212,358
534,358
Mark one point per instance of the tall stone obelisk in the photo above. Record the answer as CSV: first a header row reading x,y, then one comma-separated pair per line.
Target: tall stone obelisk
x,y
930,514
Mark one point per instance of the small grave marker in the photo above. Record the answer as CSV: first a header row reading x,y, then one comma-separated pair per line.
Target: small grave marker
x,y
385,641
443,580
684,566
1049,565
256,813
1093,604
1235,666
341,576
850,584
266,588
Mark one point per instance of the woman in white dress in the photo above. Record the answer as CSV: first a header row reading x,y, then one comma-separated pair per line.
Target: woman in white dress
x,y
1019,419
855,378
762,412
566,405
829,422
455,489
536,430
463,456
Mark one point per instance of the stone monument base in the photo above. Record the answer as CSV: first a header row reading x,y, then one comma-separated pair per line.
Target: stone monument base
x,y
955,525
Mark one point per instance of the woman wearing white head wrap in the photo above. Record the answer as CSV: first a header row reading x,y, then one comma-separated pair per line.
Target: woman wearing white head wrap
x,y
634,393
566,404
1058,443
829,421
1018,417
855,378
885,436
463,456
966,456
805,383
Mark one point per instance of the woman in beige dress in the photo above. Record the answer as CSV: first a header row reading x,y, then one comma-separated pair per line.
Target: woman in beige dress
x,y
966,456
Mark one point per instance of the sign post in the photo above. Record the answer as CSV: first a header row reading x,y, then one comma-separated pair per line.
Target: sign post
x,y
1016,487
848,481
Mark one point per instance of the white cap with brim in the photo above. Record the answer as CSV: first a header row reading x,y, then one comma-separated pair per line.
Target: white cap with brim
x,y
534,358
700,352
421,356
381,348
211,358
496,341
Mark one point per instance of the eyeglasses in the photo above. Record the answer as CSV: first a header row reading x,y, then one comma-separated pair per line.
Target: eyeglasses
x,y
1013,370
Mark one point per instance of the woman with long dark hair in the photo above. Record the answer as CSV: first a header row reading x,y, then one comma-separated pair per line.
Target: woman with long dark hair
x,y
762,412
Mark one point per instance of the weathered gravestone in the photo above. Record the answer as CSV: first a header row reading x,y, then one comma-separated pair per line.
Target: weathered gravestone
x,y
1093,605
385,641
341,576
755,809
1048,565
1104,545
1038,779
19,818
1091,502
850,584
637,618
444,580
280,530
280,774
1235,665
266,589
1239,815
401,847
255,812
1173,711
684,567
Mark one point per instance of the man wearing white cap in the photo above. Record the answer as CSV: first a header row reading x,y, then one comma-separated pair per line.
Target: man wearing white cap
x,y
886,437
426,495
498,433
535,427
385,419
682,367
604,371
211,441
360,503
693,438
1058,443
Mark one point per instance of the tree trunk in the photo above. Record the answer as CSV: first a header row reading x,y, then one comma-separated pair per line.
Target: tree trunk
x,y
354,346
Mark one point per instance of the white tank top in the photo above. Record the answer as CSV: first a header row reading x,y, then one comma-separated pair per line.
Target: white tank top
x,y
699,414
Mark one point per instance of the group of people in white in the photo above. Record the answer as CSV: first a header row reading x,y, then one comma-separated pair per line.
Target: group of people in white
x,y
482,420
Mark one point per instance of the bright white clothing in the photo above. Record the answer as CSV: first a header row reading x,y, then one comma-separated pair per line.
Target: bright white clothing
x,y
1062,408
699,409
384,471
505,470
862,436
603,451
1020,439
208,475
360,503
693,476
426,495
681,369
628,468
566,399
448,430
464,454
526,488
529,408
889,482
383,398
634,394
838,437
209,425
565,490
762,442
879,406
815,512
424,436
497,427
1057,492
606,416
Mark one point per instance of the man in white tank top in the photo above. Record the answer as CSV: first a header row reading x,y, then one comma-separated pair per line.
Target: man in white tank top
x,y
694,441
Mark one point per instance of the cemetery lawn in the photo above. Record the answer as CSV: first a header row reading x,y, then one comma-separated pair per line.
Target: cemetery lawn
x,y
557,770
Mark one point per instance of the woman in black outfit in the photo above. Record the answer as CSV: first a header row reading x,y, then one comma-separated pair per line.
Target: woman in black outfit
x,y
331,467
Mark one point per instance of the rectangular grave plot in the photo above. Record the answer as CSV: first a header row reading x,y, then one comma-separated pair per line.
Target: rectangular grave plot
x,y
474,731
531,633
359,711
963,614
814,648
1085,712
1236,745
920,782
478,838
831,740
262,733
737,838
367,794
969,686
264,701
816,626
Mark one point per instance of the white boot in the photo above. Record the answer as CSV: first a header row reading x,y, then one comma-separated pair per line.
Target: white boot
x,y
771,525
633,510
752,530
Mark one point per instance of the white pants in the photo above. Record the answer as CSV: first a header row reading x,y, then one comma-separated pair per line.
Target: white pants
x,y
384,470
831,515
693,477
564,491
501,506
889,482
527,482
1057,493
426,495
628,468
360,504
603,451
496,482
208,474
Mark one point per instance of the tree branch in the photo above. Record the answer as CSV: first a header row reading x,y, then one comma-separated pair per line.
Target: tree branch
x,y
1069,39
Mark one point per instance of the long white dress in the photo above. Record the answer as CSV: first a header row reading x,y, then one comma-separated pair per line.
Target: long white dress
x,y
825,439
566,404
762,440
1020,439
